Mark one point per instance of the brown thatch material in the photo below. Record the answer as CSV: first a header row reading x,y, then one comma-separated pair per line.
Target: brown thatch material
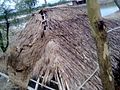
x,y
65,50
3,63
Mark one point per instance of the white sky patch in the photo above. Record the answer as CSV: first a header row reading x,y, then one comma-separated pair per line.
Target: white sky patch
x,y
11,5
8,4
40,2
1,1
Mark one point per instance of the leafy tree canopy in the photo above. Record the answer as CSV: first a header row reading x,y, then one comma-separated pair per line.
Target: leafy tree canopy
x,y
26,4
5,10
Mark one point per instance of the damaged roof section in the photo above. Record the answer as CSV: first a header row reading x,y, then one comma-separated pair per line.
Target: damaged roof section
x,y
57,43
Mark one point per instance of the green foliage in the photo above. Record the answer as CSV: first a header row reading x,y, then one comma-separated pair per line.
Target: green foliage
x,y
5,10
26,5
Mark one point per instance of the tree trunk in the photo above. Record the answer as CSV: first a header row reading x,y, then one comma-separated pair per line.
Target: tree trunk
x,y
1,42
7,29
100,35
2,46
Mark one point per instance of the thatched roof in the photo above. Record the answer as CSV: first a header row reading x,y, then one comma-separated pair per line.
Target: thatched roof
x,y
64,50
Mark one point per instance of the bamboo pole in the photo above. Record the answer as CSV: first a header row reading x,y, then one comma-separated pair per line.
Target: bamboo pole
x,y
99,33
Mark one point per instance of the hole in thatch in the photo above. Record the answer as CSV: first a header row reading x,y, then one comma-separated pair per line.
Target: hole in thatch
x,y
19,70
42,34
33,14
45,27
50,28
52,85
43,17
32,84
41,12
44,23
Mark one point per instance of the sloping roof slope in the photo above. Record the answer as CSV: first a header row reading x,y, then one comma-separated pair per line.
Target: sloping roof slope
x,y
57,43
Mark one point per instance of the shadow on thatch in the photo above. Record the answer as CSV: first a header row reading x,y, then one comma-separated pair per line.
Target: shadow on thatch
x,y
57,43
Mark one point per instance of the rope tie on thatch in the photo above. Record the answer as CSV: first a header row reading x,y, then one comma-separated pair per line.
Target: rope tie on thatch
x,y
44,18
80,87
44,21
113,29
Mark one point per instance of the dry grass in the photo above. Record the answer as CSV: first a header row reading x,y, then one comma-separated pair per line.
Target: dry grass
x,y
65,51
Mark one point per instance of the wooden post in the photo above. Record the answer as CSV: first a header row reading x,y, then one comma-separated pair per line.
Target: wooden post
x,y
100,35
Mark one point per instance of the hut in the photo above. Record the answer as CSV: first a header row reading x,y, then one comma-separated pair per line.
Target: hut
x,y
57,43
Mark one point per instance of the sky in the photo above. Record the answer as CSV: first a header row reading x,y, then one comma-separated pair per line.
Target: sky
x,y
49,1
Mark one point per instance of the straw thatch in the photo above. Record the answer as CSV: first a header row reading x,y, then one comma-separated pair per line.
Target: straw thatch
x,y
57,43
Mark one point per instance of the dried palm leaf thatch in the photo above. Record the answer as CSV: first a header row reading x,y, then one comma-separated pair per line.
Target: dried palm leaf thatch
x,y
57,43
114,39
